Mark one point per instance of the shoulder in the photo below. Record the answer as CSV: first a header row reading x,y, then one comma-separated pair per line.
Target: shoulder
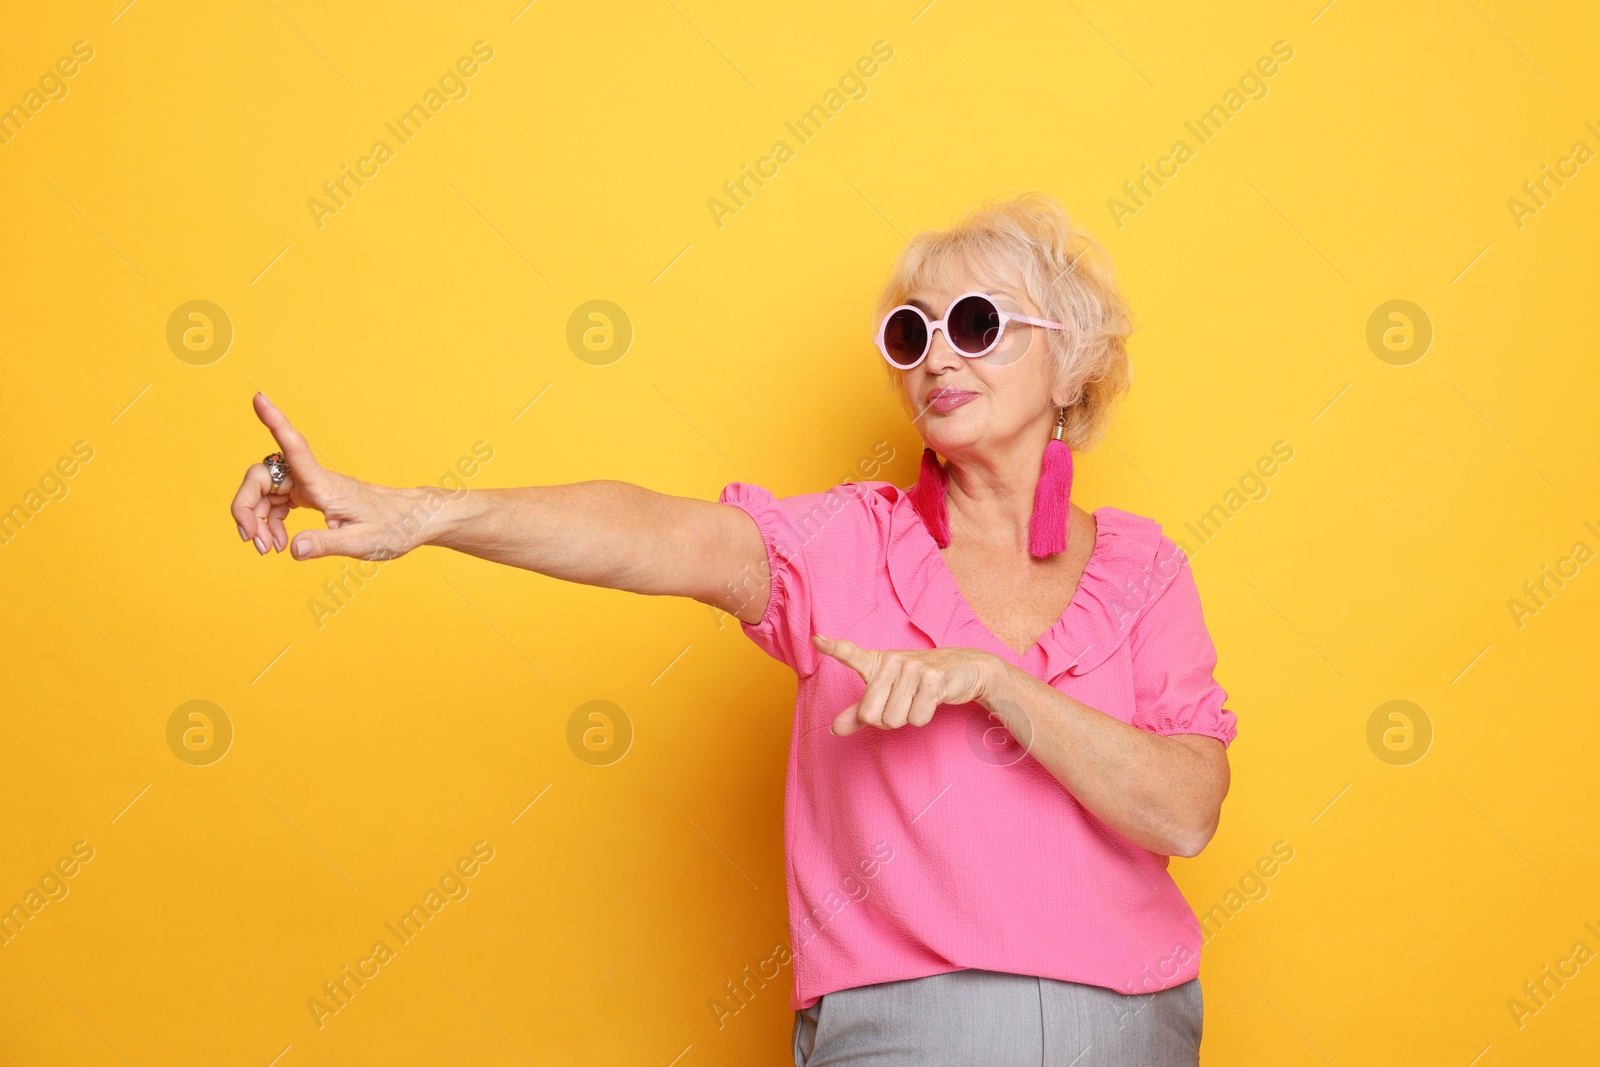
x,y
1140,563
1131,543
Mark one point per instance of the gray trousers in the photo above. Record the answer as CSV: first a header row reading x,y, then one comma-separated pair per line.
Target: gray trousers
x,y
992,1019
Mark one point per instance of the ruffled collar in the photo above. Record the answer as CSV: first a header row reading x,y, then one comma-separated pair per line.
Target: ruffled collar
x,y
1122,574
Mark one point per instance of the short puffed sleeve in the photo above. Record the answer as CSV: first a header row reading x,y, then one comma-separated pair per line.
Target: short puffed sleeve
x,y
1173,660
825,553
784,632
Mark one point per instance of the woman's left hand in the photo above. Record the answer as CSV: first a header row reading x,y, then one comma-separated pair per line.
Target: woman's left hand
x,y
907,685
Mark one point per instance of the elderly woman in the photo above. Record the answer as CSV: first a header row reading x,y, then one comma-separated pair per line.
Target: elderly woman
x,y
989,886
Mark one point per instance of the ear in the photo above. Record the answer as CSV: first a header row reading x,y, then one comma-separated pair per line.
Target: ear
x,y
1072,399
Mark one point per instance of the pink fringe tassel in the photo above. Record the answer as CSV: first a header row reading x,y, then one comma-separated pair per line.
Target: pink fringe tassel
x,y
927,496
1047,529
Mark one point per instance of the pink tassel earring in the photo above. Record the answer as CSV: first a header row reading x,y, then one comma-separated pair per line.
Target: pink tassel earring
x,y
1047,529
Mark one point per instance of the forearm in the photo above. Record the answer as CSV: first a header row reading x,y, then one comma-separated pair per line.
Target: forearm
x,y
604,533
1162,793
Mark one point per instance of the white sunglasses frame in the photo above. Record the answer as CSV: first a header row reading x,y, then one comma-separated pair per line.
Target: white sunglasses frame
x,y
1006,318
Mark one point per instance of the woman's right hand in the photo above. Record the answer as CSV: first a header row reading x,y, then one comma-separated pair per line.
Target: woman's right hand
x,y
362,518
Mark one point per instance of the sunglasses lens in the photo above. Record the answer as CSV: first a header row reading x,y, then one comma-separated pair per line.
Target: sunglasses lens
x,y
974,324
905,337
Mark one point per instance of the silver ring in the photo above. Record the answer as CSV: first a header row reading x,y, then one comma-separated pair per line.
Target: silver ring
x,y
277,469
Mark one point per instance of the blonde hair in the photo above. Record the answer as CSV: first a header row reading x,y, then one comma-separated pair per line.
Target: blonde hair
x,y
1067,275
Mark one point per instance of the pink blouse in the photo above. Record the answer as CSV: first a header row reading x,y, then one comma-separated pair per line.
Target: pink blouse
x,y
923,850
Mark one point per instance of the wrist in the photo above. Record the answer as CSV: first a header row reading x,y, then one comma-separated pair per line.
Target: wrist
x,y
994,680
411,517
428,515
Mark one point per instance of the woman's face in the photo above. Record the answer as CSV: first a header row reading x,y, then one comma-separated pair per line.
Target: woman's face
x,y
964,405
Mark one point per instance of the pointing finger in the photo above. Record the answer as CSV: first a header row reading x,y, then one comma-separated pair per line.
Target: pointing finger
x,y
296,450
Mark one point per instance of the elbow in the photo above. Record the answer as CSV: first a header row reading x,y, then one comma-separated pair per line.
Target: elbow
x,y
1193,840
1199,812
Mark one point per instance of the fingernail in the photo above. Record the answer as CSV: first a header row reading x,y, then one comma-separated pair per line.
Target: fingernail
x,y
300,549
242,535
261,548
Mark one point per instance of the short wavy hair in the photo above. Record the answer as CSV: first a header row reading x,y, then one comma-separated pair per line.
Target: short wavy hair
x,y
1068,276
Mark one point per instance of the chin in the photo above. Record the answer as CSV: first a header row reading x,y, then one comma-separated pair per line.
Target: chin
x,y
948,436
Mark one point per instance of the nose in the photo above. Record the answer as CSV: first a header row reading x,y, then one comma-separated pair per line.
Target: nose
x,y
941,357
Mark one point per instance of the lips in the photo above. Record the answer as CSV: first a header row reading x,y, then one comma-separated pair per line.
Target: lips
x,y
946,399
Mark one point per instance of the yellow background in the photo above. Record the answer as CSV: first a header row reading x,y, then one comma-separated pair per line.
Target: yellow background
x,y
369,754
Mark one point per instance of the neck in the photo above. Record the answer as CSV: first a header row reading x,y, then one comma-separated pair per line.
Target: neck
x,y
990,495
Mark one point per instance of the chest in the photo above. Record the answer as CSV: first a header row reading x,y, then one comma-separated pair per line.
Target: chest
x,y
1016,597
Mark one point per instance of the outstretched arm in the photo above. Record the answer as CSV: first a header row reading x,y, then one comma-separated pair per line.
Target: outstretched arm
x,y
604,533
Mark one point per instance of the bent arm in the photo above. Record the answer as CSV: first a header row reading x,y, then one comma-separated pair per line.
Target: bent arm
x,y
613,534
1162,792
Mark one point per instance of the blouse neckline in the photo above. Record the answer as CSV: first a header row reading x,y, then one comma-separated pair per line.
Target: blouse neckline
x,y
1093,625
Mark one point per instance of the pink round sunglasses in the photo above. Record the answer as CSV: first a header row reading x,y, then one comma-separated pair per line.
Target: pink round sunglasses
x,y
973,325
